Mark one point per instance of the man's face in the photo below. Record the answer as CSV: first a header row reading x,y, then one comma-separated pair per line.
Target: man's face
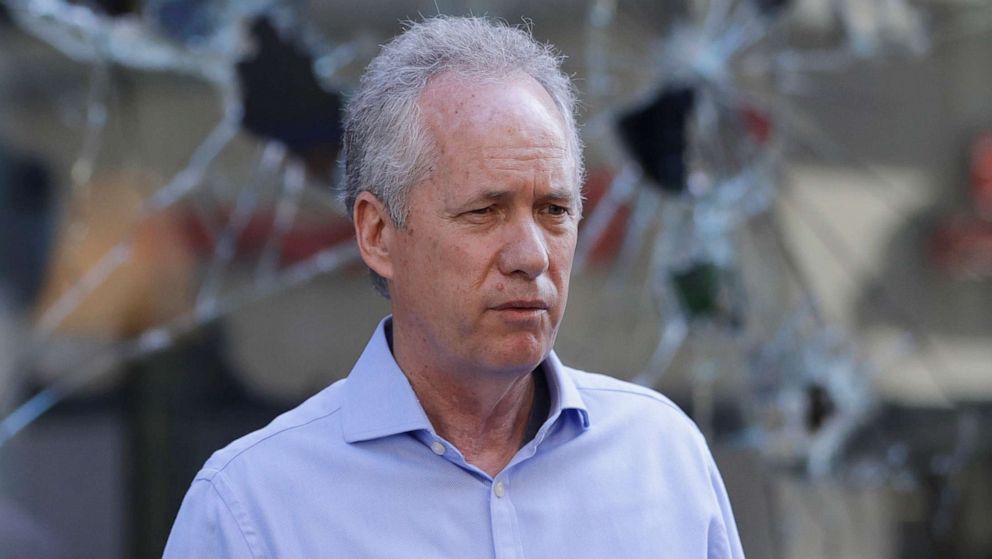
x,y
481,269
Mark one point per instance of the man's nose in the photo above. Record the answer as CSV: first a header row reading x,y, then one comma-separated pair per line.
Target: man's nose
x,y
525,249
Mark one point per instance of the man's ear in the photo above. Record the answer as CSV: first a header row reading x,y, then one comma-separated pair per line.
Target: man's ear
x,y
375,232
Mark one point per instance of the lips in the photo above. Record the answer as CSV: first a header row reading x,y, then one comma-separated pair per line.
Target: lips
x,y
523,305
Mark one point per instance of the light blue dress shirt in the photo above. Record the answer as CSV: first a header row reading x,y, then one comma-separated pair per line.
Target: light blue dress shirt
x,y
616,471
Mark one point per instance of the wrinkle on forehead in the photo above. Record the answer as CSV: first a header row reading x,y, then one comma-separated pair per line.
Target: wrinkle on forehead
x,y
548,151
545,159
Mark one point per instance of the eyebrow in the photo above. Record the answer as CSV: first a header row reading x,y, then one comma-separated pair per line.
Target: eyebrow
x,y
559,195
554,195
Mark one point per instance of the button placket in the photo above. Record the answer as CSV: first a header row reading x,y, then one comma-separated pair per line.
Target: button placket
x,y
506,535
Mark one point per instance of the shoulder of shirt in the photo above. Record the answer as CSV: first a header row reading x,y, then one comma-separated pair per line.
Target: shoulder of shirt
x,y
323,406
628,393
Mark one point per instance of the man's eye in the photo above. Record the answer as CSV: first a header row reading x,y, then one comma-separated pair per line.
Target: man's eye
x,y
557,210
481,211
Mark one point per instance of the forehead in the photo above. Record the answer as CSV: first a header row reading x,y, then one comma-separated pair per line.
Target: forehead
x,y
464,114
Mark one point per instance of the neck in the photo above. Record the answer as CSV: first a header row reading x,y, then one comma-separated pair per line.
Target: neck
x,y
485,414
487,426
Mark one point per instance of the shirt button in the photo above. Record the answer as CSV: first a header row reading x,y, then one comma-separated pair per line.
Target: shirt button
x,y
499,489
438,448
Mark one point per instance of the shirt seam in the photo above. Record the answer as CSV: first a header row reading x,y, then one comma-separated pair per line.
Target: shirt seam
x,y
227,463
659,400
234,517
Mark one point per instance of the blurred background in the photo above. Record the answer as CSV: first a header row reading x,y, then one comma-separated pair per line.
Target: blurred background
x,y
788,231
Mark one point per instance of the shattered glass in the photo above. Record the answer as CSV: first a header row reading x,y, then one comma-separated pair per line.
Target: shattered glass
x,y
226,44
708,132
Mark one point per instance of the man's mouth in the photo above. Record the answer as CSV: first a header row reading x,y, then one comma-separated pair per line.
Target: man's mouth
x,y
523,305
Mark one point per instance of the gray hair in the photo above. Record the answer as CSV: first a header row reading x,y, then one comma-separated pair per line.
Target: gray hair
x,y
387,148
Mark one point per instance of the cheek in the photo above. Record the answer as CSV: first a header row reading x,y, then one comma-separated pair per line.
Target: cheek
x,y
562,250
418,265
454,263
473,257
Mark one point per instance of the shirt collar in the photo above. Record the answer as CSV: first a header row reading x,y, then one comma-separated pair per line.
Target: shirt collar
x,y
379,401
564,394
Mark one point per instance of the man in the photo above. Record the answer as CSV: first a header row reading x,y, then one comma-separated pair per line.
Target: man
x,y
459,433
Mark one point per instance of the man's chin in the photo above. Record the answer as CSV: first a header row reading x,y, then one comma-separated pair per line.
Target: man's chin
x,y
521,352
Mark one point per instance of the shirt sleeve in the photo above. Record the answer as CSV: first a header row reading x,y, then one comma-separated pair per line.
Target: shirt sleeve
x,y
723,540
206,527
